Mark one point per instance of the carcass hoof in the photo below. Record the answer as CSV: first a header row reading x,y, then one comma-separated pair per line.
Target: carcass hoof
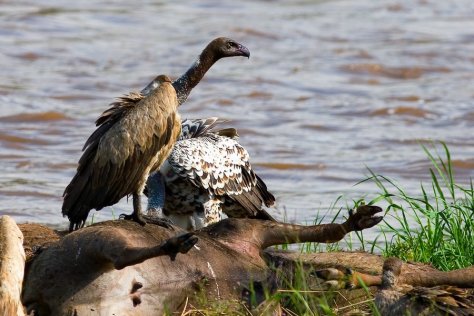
x,y
364,217
179,244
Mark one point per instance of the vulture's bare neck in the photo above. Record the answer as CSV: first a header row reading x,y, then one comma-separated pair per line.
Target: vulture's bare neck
x,y
184,84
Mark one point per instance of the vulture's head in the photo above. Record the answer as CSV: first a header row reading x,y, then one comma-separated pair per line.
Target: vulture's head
x,y
226,47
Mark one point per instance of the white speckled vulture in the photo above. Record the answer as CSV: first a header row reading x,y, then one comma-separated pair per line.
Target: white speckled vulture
x,y
133,138
207,173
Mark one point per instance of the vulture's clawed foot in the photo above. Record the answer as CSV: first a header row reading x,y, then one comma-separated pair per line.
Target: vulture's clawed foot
x,y
76,225
335,279
363,217
179,244
160,221
136,217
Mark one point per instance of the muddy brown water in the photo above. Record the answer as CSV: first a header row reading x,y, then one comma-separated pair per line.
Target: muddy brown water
x,y
331,87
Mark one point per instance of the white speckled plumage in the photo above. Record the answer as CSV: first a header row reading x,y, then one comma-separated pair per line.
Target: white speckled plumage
x,y
212,161
209,173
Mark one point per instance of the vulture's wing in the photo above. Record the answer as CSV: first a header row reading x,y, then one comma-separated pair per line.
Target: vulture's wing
x,y
197,127
221,165
121,152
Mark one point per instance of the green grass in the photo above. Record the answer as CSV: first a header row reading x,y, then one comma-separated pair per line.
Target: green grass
x,y
436,226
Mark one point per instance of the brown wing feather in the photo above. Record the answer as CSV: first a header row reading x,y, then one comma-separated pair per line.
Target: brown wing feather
x,y
252,200
132,139
119,107
113,114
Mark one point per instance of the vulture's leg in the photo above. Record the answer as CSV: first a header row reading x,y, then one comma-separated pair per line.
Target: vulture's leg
x,y
136,216
155,191
198,220
212,212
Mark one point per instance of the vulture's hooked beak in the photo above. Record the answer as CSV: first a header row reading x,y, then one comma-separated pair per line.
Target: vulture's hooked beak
x,y
244,51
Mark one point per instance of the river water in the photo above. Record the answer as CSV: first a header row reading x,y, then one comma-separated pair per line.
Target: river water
x,y
331,88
